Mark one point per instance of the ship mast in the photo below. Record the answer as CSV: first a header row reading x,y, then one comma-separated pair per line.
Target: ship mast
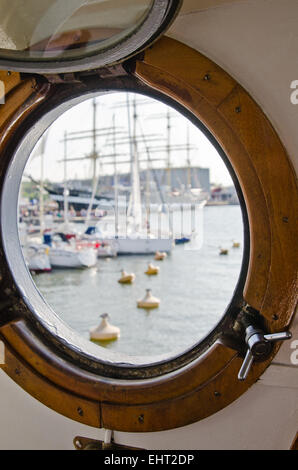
x,y
41,194
188,158
116,191
94,153
65,192
169,176
134,212
94,156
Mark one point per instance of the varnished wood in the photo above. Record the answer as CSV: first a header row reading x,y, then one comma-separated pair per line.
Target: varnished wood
x,y
10,80
22,97
12,102
209,383
278,182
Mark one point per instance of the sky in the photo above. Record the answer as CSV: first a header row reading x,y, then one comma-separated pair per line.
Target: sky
x,y
151,122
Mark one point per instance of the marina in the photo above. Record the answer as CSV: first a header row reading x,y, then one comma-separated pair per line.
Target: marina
x,y
194,285
141,247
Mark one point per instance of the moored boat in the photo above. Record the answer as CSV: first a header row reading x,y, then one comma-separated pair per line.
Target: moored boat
x,y
37,258
64,254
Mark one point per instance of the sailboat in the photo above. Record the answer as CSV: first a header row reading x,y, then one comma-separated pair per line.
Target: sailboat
x,y
93,236
139,240
36,254
63,250
64,253
132,238
37,258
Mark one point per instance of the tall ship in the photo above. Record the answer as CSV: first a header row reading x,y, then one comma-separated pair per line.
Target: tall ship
x,y
78,199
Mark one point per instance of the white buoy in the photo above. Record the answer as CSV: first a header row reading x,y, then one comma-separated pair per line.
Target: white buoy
x,y
152,270
126,278
148,301
105,331
159,256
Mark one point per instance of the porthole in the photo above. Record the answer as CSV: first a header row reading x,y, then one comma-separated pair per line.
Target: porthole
x,y
170,202
49,363
49,323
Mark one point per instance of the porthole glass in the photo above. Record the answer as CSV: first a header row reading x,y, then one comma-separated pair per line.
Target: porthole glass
x,y
115,182
51,35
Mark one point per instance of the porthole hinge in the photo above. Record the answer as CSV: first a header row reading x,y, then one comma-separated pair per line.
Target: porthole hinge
x,y
80,77
85,443
63,78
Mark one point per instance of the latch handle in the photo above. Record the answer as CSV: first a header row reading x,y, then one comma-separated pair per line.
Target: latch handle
x,y
259,347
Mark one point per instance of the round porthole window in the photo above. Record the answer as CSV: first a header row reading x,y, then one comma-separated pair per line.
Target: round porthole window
x,y
157,203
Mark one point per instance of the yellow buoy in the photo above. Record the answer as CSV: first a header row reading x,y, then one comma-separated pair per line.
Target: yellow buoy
x,y
105,331
148,301
152,270
159,256
236,245
126,278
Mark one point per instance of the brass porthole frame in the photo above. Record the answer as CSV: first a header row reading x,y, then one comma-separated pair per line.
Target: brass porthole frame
x,y
209,382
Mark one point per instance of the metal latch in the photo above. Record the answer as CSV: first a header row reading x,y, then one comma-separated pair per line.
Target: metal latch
x,y
85,443
259,347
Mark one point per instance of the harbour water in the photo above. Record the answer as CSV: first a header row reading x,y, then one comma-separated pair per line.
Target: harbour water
x,y
194,286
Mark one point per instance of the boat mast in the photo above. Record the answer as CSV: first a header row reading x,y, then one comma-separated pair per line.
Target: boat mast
x,y
116,192
169,176
94,152
94,156
65,192
41,194
188,158
134,207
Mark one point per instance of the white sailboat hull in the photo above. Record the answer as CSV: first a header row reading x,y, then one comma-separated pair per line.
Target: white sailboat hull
x,y
37,258
60,258
143,246
39,263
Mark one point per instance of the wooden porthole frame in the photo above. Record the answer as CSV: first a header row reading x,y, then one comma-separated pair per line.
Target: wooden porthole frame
x,y
207,383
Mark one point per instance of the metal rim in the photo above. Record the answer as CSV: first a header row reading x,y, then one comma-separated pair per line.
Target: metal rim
x,y
158,19
42,316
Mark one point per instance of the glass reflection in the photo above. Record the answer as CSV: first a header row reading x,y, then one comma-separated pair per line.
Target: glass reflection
x,y
55,28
